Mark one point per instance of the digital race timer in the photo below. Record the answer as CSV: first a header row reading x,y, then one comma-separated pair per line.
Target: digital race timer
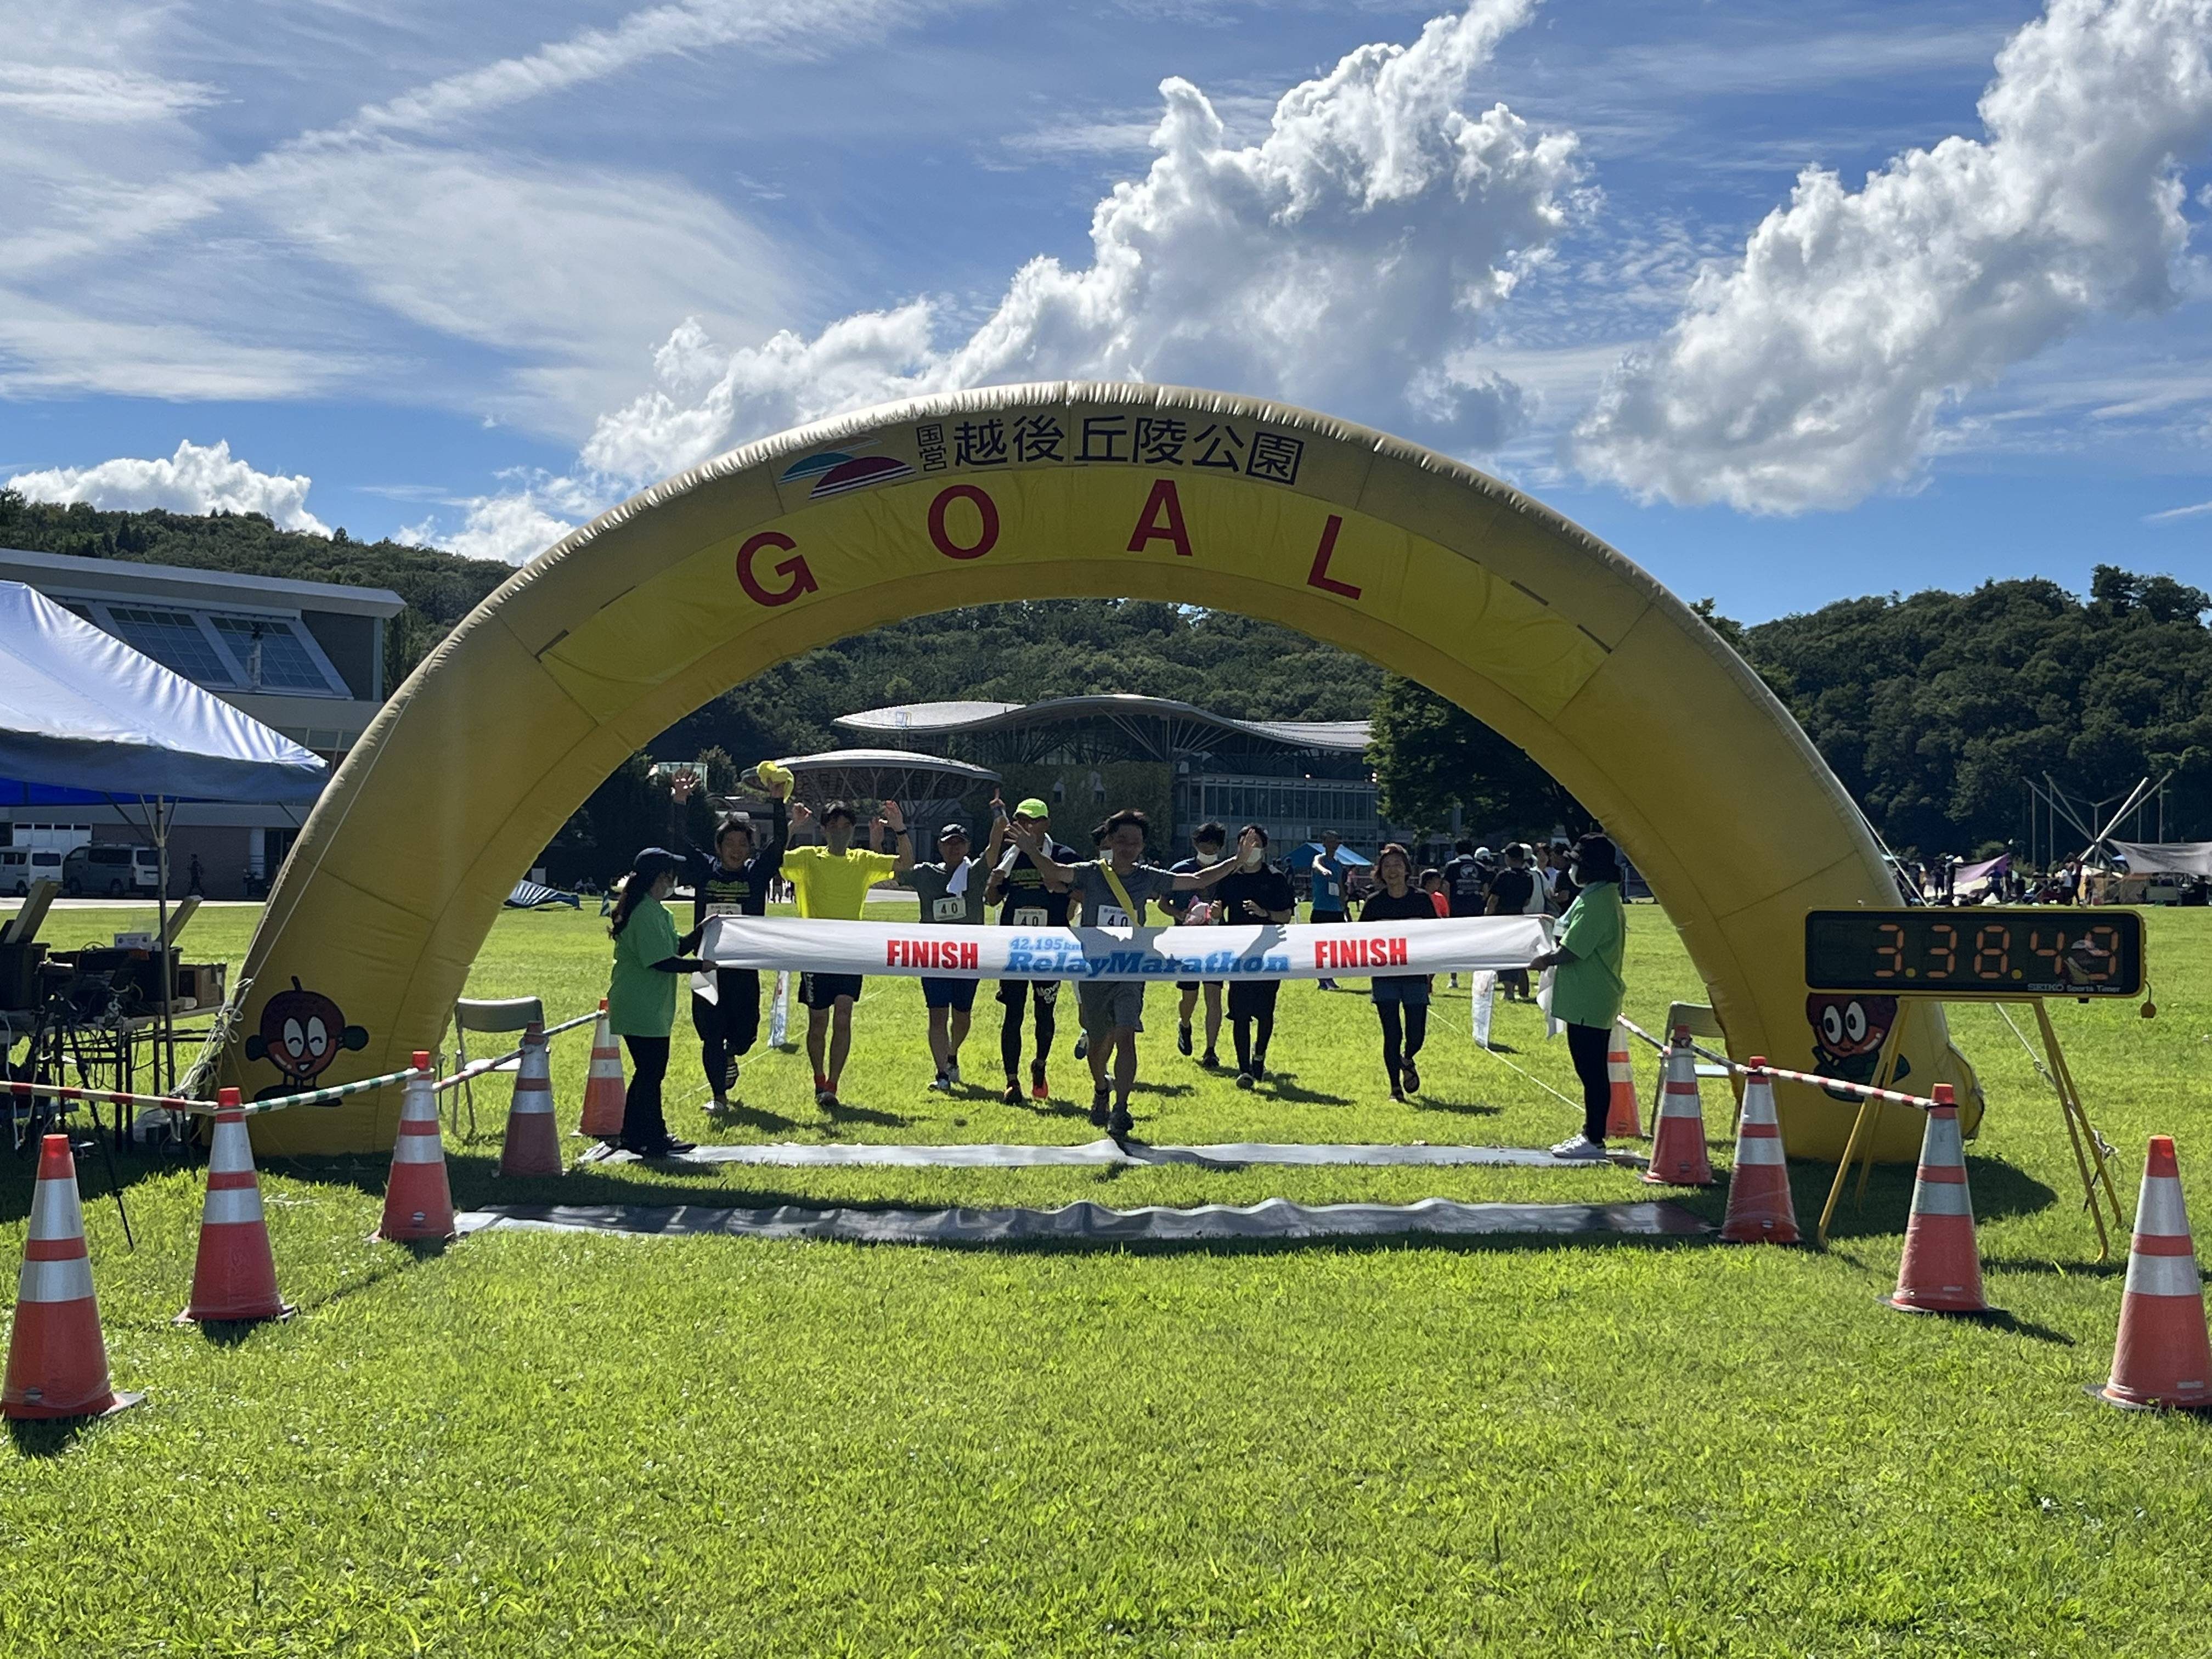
x,y
1983,950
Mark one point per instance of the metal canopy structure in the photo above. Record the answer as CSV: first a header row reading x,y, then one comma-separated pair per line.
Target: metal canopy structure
x,y
1112,726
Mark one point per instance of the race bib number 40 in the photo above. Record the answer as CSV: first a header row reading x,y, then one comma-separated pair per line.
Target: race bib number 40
x,y
1031,916
948,909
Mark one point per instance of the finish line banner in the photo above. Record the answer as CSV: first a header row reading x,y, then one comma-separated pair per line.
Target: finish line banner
x,y
1300,951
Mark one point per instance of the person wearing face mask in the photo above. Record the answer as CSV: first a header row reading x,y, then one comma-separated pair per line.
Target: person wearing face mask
x,y
649,961
1401,1000
1255,891
1588,992
1186,910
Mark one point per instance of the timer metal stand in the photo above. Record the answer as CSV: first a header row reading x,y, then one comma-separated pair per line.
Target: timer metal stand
x,y
2089,1159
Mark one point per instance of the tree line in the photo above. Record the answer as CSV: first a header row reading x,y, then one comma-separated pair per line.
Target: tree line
x,y
1931,708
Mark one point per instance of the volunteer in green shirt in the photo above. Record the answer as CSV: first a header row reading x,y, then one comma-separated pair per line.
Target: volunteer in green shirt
x,y
642,997
1587,992
832,880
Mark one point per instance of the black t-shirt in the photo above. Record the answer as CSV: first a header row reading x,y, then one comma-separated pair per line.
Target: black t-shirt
x,y
1512,890
1416,906
1028,902
718,890
1463,885
1267,887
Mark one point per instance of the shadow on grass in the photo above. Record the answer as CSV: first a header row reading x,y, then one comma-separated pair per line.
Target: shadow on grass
x,y
1460,1108
19,1174
753,1117
1281,1086
2001,1192
845,1112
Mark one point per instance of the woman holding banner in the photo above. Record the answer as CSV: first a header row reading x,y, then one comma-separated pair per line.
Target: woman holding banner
x,y
642,997
1588,989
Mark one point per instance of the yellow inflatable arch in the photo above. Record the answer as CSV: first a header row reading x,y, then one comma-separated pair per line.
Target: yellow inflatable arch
x,y
1425,566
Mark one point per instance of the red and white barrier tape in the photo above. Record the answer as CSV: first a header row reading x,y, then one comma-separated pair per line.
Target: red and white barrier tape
x,y
1862,1090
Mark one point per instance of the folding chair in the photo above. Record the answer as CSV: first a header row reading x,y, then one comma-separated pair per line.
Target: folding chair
x,y
1701,1021
511,1014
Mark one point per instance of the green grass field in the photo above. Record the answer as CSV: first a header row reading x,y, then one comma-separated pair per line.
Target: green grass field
x,y
542,1444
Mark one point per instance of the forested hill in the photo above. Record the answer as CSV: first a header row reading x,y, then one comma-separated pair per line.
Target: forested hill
x,y
1932,707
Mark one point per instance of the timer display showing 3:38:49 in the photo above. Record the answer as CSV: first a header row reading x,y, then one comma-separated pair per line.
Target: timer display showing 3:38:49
x,y
1978,952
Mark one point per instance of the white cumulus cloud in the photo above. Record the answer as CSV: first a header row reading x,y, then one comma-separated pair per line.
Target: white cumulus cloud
x,y
1812,372
198,479
516,526
1345,259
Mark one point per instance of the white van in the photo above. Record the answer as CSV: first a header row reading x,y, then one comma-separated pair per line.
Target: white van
x,y
116,871
21,865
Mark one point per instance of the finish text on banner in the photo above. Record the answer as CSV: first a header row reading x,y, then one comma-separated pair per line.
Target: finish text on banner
x,y
1456,945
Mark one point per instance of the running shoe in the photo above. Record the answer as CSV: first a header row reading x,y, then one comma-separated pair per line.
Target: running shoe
x,y
1412,1077
1580,1149
1397,1094
1012,1097
940,1083
730,1075
1183,1040
1038,1090
1211,1061
1121,1123
825,1096
1083,1045
718,1107
1245,1079
1099,1102
952,1074
1327,984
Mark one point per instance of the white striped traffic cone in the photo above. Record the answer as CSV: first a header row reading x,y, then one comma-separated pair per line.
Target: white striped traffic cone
x,y
57,1358
1620,1120
533,1146
1678,1137
604,1091
1760,1207
1941,1271
2162,1357
234,1275
418,1203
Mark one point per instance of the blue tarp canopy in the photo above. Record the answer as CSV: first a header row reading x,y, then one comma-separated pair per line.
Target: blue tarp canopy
x,y
85,719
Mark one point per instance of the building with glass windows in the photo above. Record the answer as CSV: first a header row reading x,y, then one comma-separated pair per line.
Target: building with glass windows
x,y
306,658
1182,764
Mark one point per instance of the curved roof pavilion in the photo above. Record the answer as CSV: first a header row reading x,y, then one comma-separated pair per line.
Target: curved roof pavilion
x,y
1115,725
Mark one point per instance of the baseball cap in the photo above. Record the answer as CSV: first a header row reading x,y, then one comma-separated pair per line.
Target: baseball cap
x,y
1033,808
952,830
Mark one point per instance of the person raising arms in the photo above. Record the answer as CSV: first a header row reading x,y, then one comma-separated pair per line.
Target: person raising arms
x,y
951,895
733,880
641,995
1028,897
1114,890
831,881
1588,992
1255,891
1399,995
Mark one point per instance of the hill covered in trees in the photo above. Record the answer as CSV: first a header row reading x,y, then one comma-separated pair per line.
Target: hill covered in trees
x,y
1932,706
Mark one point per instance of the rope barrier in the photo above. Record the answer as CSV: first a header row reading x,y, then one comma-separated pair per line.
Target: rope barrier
x,y
478,1068
204,1108
1862,1090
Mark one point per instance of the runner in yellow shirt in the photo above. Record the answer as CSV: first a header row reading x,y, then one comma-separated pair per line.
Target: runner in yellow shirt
x,y
832,881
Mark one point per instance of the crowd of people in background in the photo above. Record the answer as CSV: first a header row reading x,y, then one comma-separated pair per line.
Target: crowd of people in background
x,y
1022,877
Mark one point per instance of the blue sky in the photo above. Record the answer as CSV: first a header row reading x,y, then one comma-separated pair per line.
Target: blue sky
x,y
471,274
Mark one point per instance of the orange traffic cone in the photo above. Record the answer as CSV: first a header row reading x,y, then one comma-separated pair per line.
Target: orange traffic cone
x,y
603,1088
533,1146
1941,1269
1678,1136
2162,1357
1621,1121
418,1203
57,1358
234,1277
1760,1208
